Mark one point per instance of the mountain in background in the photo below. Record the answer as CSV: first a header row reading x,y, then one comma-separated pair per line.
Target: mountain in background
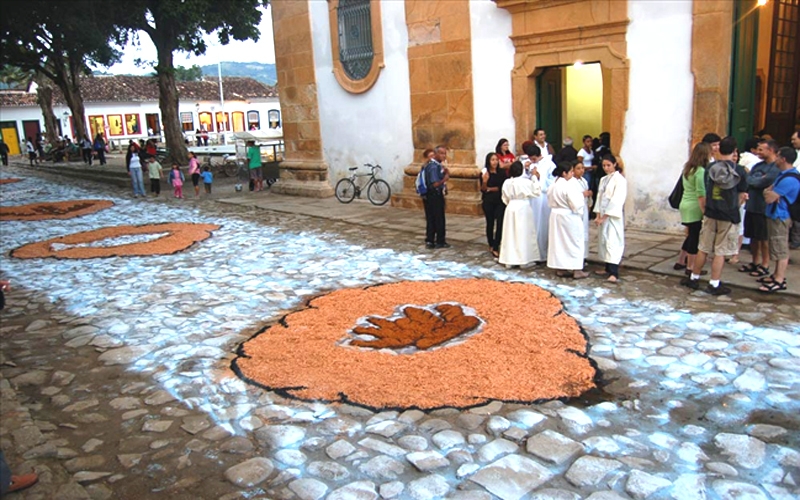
x,y
264,73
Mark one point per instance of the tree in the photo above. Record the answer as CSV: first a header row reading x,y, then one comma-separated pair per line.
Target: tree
x,y
59,40
179,25
193,74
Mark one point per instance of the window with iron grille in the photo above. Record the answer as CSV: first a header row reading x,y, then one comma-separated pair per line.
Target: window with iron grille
x,y
355,37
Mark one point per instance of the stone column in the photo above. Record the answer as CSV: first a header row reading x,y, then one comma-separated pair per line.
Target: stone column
x,y
303,171
440,73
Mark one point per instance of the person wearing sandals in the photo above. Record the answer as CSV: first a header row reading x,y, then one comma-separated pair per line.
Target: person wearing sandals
x,y
761,176
779,197
693,203
720,232
565,251
611,195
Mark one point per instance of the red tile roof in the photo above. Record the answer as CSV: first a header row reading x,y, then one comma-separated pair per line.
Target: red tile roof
x,y
126,88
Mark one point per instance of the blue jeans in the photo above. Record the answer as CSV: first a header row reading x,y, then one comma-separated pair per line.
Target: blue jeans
x,y
5,475
137,181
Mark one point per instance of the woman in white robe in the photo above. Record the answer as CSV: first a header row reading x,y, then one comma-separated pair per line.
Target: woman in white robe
x,y
578,170
611,196
518,245
567,204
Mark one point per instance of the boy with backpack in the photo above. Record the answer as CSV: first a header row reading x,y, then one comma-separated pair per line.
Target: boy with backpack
x,y
783,211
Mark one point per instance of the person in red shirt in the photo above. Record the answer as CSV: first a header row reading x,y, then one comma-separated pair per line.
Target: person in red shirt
x,y
504,154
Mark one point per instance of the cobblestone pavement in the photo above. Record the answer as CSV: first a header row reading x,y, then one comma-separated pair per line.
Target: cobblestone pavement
x,y
115,378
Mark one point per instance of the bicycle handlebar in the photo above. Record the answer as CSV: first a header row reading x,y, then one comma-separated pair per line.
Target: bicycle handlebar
x,y
370,165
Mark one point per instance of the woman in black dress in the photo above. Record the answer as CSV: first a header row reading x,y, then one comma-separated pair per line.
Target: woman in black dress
x,y
492,179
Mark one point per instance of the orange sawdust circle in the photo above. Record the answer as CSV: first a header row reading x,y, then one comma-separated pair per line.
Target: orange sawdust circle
x,y
527,349
54,210
180,236
9,180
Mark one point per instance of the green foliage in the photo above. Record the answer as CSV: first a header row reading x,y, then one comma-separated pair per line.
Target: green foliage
x,y
192,74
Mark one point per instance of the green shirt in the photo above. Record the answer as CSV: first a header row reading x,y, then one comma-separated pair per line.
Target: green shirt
x,y
254,156
693,188
154,170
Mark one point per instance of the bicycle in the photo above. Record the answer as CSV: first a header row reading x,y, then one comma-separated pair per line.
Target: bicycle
x,y
378,190
226,166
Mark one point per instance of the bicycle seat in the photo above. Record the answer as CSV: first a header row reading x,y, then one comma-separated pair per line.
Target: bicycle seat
x,y
353,168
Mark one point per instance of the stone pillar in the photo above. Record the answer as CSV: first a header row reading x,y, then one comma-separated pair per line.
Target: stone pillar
x,y
712,45
303,171
440,73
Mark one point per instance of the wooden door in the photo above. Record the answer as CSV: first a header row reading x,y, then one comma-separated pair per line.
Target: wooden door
x,y
783,114
10,137
742,109
549,105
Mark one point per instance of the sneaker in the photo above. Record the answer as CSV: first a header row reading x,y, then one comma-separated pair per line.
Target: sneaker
x,y
429,245
690,283
719,290
22,482
443,245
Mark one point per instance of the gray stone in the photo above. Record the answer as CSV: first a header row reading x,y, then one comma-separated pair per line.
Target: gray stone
x,y
512,477
554,494
515,434
386,428
459,456
339,449
382,447
411,416
237,444
526,418
156,425
470,421
496,448
359,490
81,405
414,443
382,468
391,490
575,420
448,439
732,490
745,451
28,436
195,424
308,489
428,488
91,445
497,425
125,403
434,425
128,460
124,355
722,468
553,447
590,471
469,495
99,491
280,436
605,495
766,431
292,458
689,487
84,463
331,471
751,381
427,460
62,378
159,398
250,472
641,485
89,476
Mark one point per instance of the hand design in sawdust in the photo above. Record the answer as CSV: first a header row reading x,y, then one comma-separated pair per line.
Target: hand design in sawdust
x,y
419,328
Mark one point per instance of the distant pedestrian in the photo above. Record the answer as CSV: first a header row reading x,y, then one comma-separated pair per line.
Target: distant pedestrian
x,y
155,173
204,136
586,155
135,170
254,162
4,152
780,196
40,145
198,138
31,151
86,150
208,178
194,173
100,148
567,152
436,177
176,180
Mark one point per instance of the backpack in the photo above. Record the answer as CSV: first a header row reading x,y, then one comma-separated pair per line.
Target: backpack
x,y
677,194
794,208
421,183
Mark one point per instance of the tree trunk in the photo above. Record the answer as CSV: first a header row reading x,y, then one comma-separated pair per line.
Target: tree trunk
x,y
75,102
168,103
44,96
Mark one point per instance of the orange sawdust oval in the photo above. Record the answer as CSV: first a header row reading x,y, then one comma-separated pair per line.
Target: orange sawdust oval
x,y
9,180
528,349
54,210
180,237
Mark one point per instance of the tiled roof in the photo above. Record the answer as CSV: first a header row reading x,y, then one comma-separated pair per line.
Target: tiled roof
x,y
126,88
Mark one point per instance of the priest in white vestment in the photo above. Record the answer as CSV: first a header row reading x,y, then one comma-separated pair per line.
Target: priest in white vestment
x,y
611,195
518,246
567,244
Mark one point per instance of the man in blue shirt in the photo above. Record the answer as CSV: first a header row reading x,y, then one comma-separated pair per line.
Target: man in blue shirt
x,y
436,176
780,195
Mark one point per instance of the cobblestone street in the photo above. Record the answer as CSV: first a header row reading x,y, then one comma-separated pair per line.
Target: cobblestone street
x,y
116,380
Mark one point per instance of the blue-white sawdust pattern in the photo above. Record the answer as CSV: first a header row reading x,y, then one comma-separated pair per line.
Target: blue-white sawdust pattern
x,y
192,307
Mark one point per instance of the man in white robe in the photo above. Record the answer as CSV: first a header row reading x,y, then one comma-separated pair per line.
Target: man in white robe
x,y
567,244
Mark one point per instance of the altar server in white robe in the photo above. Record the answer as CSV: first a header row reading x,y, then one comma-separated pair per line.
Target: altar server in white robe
x,y
611,196
567,244
518,246
542,166
578,171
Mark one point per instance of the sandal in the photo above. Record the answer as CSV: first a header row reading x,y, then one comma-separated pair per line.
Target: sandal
x,y
748,268
767,280
612,279
678,266
760,271
579,275
495,254
563,274
772,287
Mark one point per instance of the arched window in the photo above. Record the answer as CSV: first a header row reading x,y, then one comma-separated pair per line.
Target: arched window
x,y
238,121
357,43
274,117
253,120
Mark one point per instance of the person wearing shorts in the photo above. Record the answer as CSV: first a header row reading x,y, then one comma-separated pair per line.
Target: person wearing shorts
x,y
254,162
720,232
761,176
780,196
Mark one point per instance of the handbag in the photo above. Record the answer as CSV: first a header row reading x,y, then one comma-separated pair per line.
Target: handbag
x,y
677,194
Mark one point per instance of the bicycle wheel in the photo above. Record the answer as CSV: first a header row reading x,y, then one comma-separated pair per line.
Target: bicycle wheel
x,y
379,192
345,190
230,168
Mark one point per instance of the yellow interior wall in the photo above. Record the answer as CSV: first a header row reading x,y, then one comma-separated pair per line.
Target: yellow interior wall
x,y
584,102
766,14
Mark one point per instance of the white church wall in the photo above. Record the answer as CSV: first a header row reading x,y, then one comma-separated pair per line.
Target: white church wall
x,y
374,126
659,117
492,62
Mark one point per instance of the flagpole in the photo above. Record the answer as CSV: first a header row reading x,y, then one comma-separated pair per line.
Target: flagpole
x,y
221,100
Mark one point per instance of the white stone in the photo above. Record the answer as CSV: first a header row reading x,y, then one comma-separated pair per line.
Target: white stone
x,y
689,487
382,467
512,477
156,425
308,489
391,490
125,403
496,448
554,494
641,485
722,468
750,380
124,355
779,492
427,460
627,353
732,490
428,488
413,443
467,469
553,447
89,476
250,472
91,445
292,458
766,431
386,428
382,447
745,451
331,471
691,453
448,439
605,495
496,425
601,444
339,449
526,418
280,436
359,490
576,420
590,471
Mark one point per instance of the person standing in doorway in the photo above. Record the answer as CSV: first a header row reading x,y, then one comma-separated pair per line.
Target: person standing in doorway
x,y
436,177
586,155
540,139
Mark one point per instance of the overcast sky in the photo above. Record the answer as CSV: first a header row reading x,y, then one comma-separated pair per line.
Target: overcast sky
x,y
262,51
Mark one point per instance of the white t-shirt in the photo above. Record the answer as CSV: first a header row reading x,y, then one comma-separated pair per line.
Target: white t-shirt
x,y
797,161
587,156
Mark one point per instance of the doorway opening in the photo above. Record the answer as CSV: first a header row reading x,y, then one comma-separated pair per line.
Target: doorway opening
x,y
569,102
153,124
10,136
